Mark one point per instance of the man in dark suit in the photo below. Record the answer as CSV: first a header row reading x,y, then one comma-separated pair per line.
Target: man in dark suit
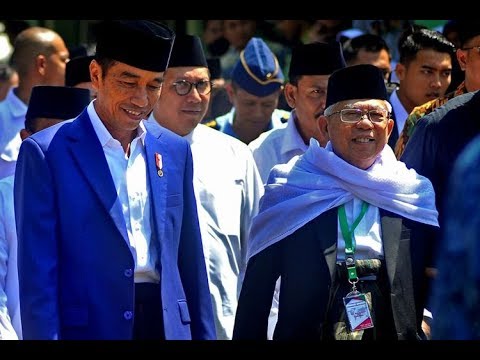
x,y
353,251
108,233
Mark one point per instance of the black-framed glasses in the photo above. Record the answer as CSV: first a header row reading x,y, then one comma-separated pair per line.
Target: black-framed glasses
x,y
473,47
183,87
352,116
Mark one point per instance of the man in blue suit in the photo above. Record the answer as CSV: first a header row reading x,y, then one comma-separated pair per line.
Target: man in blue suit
x,y
109,241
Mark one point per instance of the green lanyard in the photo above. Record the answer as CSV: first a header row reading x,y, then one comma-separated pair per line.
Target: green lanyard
x,y
348,237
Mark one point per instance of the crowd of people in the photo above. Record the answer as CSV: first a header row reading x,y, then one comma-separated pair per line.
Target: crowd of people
x,y
312,183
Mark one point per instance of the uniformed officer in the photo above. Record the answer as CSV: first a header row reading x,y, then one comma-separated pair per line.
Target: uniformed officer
x,y
257,82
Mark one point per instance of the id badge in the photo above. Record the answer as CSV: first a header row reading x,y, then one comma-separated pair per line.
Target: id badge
x,y
357,311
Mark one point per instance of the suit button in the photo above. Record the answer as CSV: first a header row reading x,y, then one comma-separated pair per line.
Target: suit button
x,y
128,273
128,315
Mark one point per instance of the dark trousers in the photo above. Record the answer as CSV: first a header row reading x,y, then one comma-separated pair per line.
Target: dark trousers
x,y
148,318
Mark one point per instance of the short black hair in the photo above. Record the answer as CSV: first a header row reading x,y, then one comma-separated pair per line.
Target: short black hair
x,y
367,42
417,38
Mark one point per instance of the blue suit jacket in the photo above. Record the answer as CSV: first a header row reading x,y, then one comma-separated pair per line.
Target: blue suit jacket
x,y
75,264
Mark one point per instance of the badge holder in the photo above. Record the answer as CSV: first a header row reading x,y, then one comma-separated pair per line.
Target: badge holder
x,y
356,306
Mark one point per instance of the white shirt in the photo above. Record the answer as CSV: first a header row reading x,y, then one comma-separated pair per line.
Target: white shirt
x,y
227,189
12,120
277,146
367,235
10,326
401,114
131,183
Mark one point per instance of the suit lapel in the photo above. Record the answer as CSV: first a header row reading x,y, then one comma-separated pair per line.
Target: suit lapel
x,y
88,153
391,231
158,183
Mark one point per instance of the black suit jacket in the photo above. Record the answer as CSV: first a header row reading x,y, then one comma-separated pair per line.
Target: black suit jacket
x,y
306,261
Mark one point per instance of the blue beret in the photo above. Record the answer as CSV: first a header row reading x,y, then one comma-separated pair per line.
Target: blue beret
x,y
257,71
363,81
144,44
57,102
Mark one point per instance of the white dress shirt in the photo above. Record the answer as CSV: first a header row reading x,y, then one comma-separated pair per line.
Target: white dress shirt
x,y
227,189
10,326
401,114
12,120
129,175
277,146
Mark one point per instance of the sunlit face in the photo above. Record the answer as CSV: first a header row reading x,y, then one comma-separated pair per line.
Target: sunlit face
x,y
357,143
125,95
182,113
308,99
251,109
469,61
56,63
425,78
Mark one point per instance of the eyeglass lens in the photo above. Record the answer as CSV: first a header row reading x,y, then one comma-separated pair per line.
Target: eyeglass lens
x,y
183,87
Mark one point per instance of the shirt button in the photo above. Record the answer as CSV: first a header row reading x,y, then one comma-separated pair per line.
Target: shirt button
x,y
128,315
128,273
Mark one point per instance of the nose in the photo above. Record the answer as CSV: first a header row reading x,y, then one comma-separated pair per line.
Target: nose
x,y
194,95
140,97
364,122
436,81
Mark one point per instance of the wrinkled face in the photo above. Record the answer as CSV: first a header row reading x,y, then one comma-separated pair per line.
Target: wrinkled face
x,y
251,109
125,95
56,63
426,77
308,99
182,113
469,61
357,143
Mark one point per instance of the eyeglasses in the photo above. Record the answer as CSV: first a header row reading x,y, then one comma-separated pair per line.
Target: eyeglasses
x,y
353,116
473,47
183,87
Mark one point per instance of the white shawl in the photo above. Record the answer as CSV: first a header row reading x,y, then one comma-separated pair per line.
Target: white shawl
x,y
319,180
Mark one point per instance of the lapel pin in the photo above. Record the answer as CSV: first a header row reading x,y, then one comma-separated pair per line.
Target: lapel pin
x,y
159,164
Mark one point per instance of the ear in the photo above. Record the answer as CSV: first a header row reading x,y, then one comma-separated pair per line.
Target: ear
x,y
390,124
230,92
24,133
322,124
41,64
95,74
462,59
290,94
400,70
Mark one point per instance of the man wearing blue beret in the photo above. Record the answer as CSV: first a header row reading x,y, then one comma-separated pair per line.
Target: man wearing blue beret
x,y
257,82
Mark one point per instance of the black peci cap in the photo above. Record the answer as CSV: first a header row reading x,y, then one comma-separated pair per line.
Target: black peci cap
x,y
316,59
363,81
57,102
187,50
144,44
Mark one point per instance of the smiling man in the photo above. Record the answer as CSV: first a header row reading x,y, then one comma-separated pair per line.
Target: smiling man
x,y
108,233
354,239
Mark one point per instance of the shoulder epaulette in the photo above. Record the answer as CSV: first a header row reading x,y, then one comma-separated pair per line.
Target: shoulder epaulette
x,y
284,116
212,124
